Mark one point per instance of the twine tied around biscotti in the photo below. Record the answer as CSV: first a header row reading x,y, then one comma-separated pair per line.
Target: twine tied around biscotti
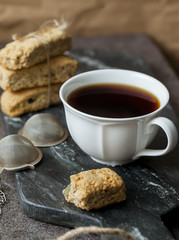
x,y
50,23
98,230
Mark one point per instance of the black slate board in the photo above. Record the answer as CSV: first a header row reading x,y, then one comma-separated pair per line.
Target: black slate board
x,y
148,195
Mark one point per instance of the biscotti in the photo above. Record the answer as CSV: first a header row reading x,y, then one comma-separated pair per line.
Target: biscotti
x,y
33,49
95,189
30,100
61,68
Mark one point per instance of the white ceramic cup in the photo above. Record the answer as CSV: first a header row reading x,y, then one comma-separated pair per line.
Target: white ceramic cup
x,y
116,141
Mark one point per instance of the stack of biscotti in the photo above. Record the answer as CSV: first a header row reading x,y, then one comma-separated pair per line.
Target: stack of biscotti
x,y
26,75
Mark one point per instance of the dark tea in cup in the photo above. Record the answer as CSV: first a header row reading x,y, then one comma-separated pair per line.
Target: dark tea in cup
x,y
113,100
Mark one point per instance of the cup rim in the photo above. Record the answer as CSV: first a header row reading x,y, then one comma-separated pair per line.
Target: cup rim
x,y
86,115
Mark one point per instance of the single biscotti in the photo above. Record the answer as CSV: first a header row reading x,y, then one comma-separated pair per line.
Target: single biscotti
x,y
60,68
95,189
33,49
17,103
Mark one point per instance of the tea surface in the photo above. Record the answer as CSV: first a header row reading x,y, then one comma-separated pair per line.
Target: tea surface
x,y
113,100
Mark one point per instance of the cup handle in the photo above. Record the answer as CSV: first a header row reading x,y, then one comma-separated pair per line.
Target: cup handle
x,y
170,131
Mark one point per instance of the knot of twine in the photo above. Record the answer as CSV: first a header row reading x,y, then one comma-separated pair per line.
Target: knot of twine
x,y
62,26
96,230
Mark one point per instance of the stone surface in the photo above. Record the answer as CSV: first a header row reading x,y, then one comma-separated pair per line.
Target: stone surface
x,y
149,196
14,224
